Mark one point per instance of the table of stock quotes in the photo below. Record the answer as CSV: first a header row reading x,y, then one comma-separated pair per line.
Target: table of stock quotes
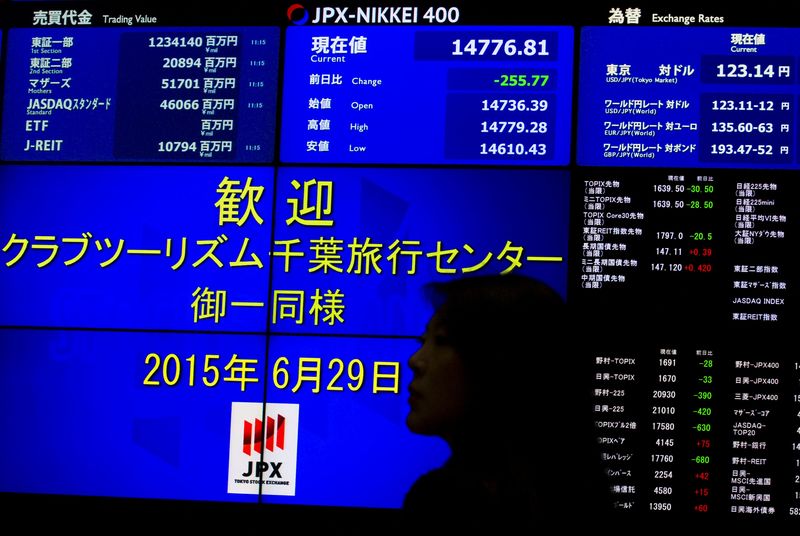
x,y
233,192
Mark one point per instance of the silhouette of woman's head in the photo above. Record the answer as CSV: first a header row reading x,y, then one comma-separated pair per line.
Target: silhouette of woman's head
x,y
487,355
497,378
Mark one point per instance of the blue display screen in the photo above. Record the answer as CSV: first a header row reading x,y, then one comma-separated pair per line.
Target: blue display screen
x,y
141,94
141,306
725,97
428,96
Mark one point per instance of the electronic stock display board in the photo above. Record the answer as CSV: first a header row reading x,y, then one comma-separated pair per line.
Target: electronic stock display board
x,y
216,228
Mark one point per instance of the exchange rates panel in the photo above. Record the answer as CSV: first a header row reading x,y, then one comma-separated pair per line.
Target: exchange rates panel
x,y
724,97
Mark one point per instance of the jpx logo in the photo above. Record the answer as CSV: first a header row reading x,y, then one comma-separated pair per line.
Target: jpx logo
x,y
297,14
252,443
263,448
